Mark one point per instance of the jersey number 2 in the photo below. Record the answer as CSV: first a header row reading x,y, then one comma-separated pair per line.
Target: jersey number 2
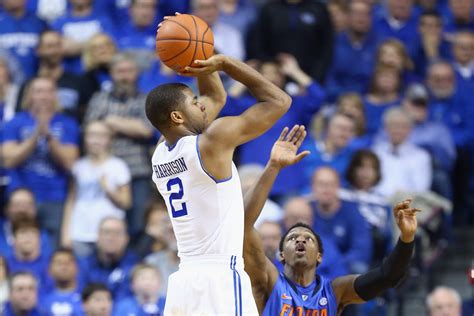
x,y
177,196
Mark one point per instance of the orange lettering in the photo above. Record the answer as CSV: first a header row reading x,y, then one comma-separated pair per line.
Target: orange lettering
x,y
284,309
291,311
299,310
324,312
315,312
308,312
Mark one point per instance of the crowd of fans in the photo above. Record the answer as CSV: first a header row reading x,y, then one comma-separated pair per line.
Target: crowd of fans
x,y
384,89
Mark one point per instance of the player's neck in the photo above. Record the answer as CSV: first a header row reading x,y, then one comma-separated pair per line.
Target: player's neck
x,y
301,276
172,138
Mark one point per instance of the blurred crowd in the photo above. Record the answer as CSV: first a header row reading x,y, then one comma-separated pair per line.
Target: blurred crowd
x,y
383,87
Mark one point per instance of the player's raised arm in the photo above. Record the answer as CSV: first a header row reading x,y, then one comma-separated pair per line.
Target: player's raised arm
x,y
353,289
212,94
229,132
261,270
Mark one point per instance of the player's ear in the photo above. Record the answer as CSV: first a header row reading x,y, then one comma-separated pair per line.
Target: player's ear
x,y
319,258
281,257
177,117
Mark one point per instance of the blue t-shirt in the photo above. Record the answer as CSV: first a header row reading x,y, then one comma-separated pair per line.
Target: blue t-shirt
x,y
81,29
59,303
289,298
407,33
20,37
37,267
8,311
115,276
130,306
39,172
374,115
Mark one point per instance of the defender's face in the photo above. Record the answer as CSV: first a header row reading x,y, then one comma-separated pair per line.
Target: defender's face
x,y
301,248
194,113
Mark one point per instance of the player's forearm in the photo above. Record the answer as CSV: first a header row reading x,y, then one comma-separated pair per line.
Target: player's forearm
x,y
262,89
388,275
211,87
256,197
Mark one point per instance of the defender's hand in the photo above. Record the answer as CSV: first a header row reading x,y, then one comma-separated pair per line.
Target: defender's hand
x,y
405,217
284,151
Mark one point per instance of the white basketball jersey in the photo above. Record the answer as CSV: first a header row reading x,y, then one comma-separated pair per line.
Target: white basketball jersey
x,y
207,215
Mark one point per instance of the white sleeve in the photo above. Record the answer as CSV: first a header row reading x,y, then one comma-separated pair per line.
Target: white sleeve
x,y
121,172
423,172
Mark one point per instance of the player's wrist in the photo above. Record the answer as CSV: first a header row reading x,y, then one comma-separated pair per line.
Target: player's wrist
x,y
407,238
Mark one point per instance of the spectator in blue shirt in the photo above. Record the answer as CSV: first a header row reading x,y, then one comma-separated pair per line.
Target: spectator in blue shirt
x,y
21,204
362,176
40,147
354,55
237,13
298,210
137,34
432,43
333,150
392,52
23,295
340,221
158,74
146,300
463,57
77,27
65,297
19,34
27,254
304,106
401,22
384,94
97,300
459,16
112,262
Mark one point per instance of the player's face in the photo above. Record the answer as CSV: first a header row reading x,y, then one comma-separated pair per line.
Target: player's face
x,y
98,304
301,248
21,204
63,267
23,295
194,112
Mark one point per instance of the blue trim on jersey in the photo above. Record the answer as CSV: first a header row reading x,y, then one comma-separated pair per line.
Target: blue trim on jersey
x,y
204,169
170,148
237,287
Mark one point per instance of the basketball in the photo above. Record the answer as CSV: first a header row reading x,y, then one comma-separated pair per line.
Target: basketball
x,y
182,39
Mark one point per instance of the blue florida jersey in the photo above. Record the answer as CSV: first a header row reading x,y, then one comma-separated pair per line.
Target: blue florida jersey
x,y
289,298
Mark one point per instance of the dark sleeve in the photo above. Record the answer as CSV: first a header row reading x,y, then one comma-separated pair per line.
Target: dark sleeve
x,y
256,43
388,275
321,66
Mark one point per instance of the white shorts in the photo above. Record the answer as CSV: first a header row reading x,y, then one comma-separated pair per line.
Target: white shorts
x,y
210,285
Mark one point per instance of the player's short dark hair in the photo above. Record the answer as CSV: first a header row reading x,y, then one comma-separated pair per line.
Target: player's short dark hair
x,y
161,101
318,238
92,288
357,160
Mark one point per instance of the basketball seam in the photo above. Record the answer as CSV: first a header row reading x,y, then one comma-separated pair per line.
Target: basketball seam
x,y
181,39
195,48
202,41
189,41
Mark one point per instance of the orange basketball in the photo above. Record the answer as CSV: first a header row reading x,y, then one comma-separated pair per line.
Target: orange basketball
x,y
182,39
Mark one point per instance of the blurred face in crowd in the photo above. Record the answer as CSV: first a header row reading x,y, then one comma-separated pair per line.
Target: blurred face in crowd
x,y
398,128
21,204
3,269
387,81
102,49
325,186
98,304
23,293
14,5
27,242
270,233
113,237
124,74
366,174
50,48
97,138
208,10
42,96
271,71
430,24
417,109
389,55
297,210
339,16
340,131
349,107
63,267
428,4
146,284
143,12
161,220
463,48
400,9
444,302
360,17
461,9
441,80
81,3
